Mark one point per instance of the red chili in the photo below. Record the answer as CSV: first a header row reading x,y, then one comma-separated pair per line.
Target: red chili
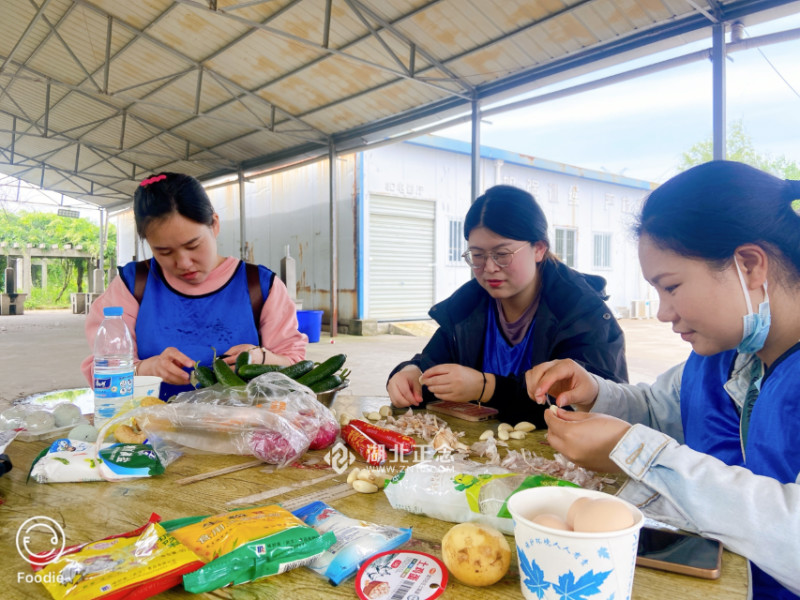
x,y
398,442
370,451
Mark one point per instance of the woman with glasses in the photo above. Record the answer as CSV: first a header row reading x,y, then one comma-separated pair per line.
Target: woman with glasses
x,y
523,307
711,446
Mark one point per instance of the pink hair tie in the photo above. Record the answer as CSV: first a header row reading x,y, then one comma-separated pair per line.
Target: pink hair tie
x,y
153,179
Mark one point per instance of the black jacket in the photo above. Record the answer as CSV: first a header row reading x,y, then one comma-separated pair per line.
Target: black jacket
x,y
572,321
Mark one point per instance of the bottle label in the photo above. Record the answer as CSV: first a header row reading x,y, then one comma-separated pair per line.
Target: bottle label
x,y
110,389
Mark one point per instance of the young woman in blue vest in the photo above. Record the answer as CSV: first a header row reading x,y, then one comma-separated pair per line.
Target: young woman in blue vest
x,y
194,298
522,307
711,446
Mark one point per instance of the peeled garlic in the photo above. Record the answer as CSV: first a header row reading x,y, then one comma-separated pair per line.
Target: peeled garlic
x,y
517,435
524,426
487,434
353,475
502,434
374,416
365,487
505,427
554,409
385,410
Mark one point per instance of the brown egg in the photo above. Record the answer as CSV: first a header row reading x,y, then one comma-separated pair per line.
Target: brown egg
x,y
552,521
602,514
573,508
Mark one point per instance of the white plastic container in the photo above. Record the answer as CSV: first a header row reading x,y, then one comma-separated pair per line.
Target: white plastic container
x,y
113,366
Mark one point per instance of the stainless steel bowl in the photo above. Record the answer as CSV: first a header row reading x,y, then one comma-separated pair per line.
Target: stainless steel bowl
x,y
328,396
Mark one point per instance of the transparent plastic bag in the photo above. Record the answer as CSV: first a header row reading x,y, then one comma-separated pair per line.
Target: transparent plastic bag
x,y
273,418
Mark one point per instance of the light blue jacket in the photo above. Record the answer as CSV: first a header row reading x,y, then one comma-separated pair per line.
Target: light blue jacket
x,y
752,515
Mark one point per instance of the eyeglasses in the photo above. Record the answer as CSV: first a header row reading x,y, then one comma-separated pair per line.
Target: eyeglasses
x,y
477,260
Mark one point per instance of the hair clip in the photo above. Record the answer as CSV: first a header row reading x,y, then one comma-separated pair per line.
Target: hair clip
x,y
153,179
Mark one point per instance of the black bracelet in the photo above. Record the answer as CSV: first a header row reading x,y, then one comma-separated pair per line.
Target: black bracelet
x,y
483,389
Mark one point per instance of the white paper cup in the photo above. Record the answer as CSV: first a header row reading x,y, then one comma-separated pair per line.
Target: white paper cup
x,y
145,385
553,562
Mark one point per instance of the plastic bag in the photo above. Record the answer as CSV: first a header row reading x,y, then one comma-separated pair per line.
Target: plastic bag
x,y
459,491
248,544
273,418
121,567
356,540
69,461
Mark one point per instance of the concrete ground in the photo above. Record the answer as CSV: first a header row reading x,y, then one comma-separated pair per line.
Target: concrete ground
x,y
43,350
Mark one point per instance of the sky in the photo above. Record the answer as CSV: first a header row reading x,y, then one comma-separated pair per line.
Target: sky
x,y
641,127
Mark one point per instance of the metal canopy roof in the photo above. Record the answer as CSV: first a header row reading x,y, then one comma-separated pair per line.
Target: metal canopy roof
x,y
96,94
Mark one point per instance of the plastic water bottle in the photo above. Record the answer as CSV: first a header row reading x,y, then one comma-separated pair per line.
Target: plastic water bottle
x,y
113,366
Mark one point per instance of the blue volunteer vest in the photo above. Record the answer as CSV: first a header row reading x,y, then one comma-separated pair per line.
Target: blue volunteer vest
x,y
500,357
193,324
711,425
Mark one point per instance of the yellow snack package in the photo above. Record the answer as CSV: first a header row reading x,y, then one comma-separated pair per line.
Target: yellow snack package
x,y
129,567
220,534
249,544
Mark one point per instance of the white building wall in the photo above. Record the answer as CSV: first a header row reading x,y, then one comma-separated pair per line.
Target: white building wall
x,y
568,200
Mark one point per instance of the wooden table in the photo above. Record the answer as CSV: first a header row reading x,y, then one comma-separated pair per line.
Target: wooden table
x,y
90,511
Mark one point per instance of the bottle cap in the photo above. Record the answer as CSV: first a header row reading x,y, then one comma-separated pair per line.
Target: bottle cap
x,y
112,311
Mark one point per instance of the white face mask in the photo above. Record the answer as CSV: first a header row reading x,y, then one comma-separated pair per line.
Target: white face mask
x,y
756,325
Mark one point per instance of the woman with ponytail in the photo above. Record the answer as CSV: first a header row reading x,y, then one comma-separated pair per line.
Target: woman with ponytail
x,y
710,447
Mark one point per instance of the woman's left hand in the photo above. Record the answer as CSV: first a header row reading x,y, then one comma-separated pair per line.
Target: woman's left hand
x,y
232,353
586,439
453,382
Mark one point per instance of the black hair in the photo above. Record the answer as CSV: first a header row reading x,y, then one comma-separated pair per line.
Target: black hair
x,y
164,194
508,212
710,210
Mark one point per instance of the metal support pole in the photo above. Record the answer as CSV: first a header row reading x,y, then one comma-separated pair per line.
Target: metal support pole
x,y
476,150
103,229
718,77
242,219
334,240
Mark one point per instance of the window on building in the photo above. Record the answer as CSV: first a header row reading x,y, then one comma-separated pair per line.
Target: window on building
x,y
609,201
602,251
565,246
458,244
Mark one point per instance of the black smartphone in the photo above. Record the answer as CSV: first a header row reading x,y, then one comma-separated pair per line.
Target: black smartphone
x,y
679,552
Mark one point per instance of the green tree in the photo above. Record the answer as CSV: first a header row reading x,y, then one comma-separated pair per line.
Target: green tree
x,y
67,274
740,148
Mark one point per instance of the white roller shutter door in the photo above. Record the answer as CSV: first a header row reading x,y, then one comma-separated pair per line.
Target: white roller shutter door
x,y
400,275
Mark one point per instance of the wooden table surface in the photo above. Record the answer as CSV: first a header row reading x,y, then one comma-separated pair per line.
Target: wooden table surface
x,y
90,511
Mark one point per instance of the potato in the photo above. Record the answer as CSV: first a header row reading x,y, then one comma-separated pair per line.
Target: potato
x,y
476,554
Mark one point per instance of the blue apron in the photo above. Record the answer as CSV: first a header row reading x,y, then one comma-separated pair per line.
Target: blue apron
x,y
711,425
193,324
500,357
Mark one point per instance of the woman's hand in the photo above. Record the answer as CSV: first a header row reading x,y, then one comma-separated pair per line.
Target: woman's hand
x,y
454,382
586,439
565,379
404,387
168,365
232,353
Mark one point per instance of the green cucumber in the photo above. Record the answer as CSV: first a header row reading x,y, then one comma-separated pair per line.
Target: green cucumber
x,y
225,374
330,382
297,370
242,360
202,377
326,369
248,372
